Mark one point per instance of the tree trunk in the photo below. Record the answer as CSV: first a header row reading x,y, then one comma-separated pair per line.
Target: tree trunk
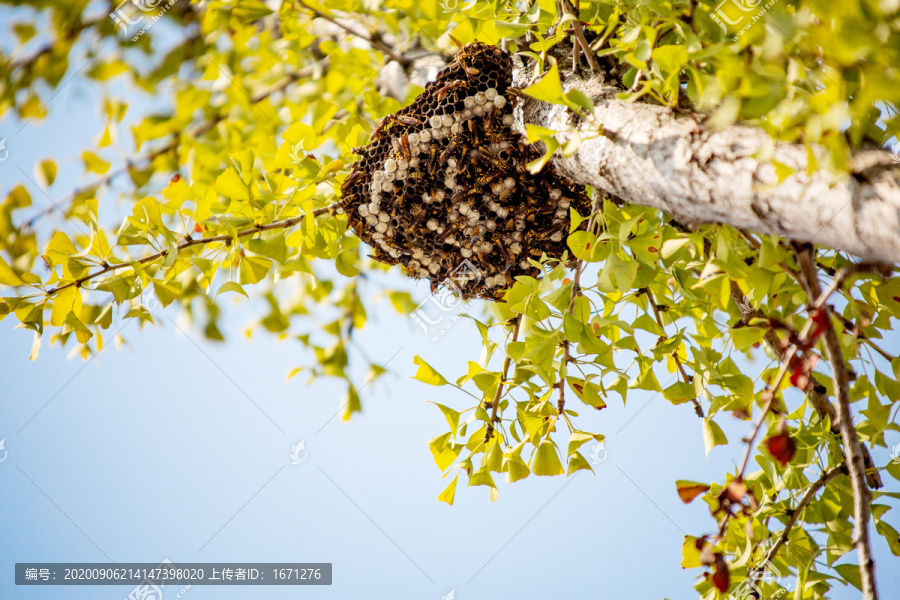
x,y
655,156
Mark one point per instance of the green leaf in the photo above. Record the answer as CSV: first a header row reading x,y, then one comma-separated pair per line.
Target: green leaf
x,y
7,275
679,392
582,244
254,268
230,185
670,58
166,292
45,172
712,435
351,403
427,374
449,492
617,275
546,460
549,88
576,463
577,98
94,163
232,286
451,415
64,302
746,337
850,573
444,451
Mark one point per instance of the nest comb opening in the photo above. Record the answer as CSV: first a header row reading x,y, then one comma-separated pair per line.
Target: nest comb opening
x,y
442,187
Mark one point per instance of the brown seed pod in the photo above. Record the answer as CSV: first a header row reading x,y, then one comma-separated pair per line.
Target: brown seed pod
x,y
444,189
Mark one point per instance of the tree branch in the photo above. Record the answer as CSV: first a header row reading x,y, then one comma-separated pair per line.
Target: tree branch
x,y
283,224
862,498
495,405
684,375
654,156
376,43
201,129
795,513
819,401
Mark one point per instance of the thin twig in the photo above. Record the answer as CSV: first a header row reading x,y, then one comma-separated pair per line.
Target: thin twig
x,y
684,375
576,290
48,47
174,143
862,497
283,224
579,35
845,272
819,401
495,405
376,43
795,513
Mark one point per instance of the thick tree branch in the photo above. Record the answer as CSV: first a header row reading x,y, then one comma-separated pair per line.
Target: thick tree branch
x,y
655,156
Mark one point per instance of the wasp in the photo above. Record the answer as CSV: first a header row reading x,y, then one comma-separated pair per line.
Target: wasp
x,y
432,160
484,182
385,259
482,153
400,145
352,178
408,120
491,117
383,124
450,87
418,218
448,232
469,71
507,259
455,143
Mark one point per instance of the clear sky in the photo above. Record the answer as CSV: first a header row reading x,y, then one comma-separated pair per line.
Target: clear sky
x,y
174,447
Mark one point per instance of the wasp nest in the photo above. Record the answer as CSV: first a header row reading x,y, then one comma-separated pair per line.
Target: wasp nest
x,y
443,183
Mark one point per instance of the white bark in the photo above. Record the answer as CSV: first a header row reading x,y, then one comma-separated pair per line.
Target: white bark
x,y
654,156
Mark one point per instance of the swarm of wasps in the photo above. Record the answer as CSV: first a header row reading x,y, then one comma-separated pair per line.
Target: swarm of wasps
x,y
442,187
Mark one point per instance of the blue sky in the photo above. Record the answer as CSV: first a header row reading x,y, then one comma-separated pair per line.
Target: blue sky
x,y
174,447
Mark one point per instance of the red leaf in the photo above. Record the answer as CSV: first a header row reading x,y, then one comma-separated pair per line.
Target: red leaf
x,y
820,321
782,446
721,578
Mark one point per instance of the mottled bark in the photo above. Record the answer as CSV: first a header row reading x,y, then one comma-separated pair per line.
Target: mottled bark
x,y
655,156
